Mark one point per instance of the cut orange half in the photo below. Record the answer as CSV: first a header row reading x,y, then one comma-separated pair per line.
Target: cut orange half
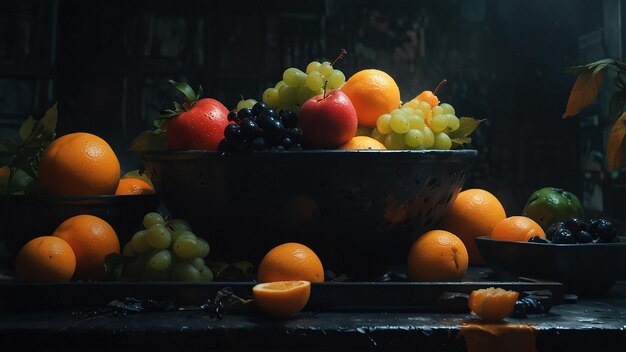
x,y
492,304
282,298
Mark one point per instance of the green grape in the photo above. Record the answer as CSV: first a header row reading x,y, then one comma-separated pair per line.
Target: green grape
x,y
203,248
326,69
447,109
158,236
175,235
314,81
153,218
438,123
416,121
407,110
206,275
160,260
304,94
128,250
419,113
378,136
248,103
336,79
313,66
186,246
414,139
442,141
183,271
139,243
437,110
399,123
363,131
279,84
396,111
429,137
453,122
288,95
424,106
413,104
180,225
382,124
394,141
197,263
271,97
294,77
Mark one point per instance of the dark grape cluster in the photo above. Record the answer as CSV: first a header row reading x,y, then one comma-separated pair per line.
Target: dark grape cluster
x,y
575,231
261,128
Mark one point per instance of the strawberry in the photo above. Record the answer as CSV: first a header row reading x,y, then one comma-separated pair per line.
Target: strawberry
x,y
197,124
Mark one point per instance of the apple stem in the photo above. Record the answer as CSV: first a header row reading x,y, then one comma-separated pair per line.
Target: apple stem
x,y
325,83
444,81
339,57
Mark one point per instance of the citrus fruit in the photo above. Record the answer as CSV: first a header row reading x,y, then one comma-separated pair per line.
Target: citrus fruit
x,y
45,258
92,239
291,261
79,164
475,212
437,256
549,205
362,142
517,228
129,186
492,304
282,298
373,93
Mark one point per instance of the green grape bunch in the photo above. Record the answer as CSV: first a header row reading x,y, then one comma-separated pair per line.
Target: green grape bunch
x,y
166,251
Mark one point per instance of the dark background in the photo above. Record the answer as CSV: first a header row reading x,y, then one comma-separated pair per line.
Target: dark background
x,y
107,64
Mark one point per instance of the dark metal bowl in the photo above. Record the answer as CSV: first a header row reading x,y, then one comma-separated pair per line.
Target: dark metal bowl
x,y
584,268
358,210
26,217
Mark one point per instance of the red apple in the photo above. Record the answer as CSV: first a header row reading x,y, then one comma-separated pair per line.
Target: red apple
x,y
328,122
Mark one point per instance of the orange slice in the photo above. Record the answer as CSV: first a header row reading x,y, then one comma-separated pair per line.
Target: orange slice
x,y
282,298
492,304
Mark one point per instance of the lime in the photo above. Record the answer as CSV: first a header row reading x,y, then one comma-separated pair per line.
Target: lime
x,y
549,205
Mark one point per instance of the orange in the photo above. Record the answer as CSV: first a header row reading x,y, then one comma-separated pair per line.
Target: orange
x,y
362,142
282,298
517,228
373,93
92,239
492,304
291,262
475,212
45,258
128,186
79,164
437,256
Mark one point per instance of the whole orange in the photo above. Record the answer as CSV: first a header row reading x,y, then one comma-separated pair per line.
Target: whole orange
x,y
517,228
437,255
79,164
474,213
92,239
45,259
290,262
373,93
130,186
363,143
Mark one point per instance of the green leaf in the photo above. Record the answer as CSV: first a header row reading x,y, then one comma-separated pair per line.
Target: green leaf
x,y
467,125
459,142
594,66
27,128
616,148
166,114
184,88
149,141
617,104
114,265
49,119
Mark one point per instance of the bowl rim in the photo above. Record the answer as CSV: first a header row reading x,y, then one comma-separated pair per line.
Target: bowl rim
x,y
553,245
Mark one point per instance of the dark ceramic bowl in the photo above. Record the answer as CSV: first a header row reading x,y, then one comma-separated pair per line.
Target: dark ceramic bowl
x,y
582,268
358,210
26,217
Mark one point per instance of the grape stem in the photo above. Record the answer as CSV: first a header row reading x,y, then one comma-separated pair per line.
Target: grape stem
x,y
324,97
339,57
443,81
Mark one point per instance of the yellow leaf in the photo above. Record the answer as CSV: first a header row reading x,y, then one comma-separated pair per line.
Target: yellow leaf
x,y
584,91
616,148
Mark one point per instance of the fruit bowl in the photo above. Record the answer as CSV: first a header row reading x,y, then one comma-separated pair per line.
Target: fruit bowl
x,y
26,217
583,268
358,210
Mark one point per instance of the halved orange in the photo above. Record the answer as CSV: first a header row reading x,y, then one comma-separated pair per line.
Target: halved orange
x,y
282,298
492,304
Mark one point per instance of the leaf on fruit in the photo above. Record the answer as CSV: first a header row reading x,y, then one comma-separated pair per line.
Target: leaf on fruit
x,y
184,88
616,148
467,125
27,128
149,141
